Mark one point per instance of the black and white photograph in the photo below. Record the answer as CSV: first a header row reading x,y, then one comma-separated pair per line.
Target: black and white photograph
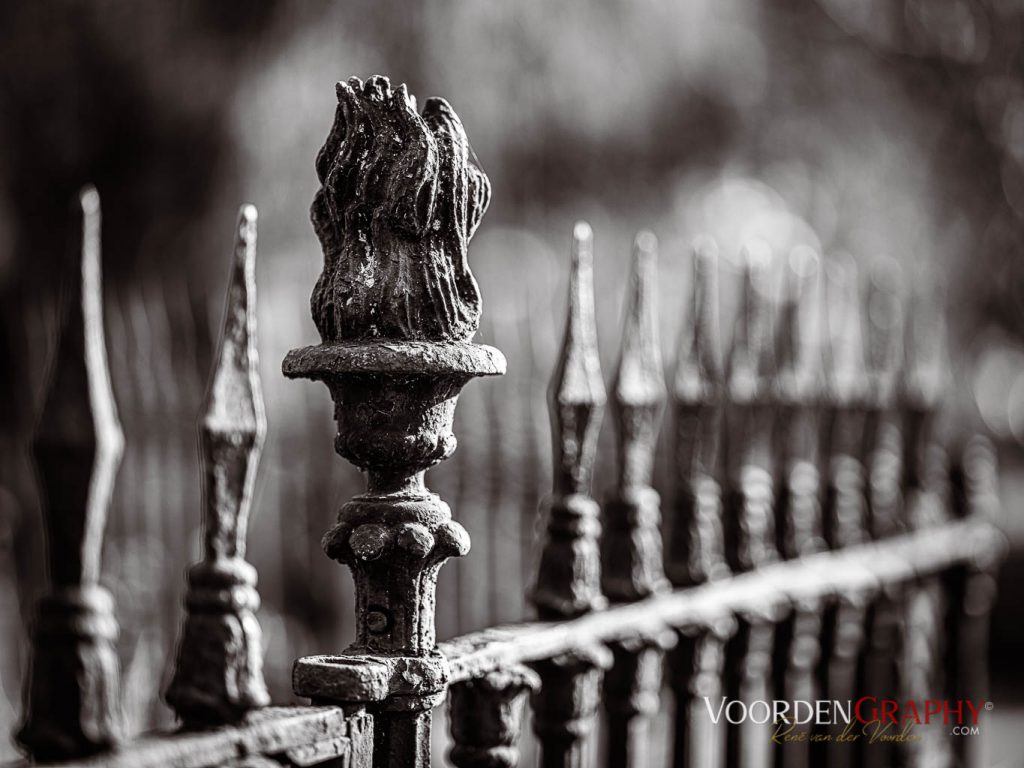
x,y
594,383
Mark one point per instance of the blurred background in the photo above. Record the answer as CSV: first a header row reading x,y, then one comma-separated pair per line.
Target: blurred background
x,y
874,128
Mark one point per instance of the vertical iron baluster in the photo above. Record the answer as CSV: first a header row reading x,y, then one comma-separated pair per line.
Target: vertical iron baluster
x,y
218,676
631,551
750,382
569,575
923,385
631,544
73,698
971,592
696,551
844,510
485,718
396,307
565,707
879,672
696,667
749,528
798,510
884,322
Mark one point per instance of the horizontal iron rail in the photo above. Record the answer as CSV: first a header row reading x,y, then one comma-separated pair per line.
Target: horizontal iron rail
x,y
856,571
304,735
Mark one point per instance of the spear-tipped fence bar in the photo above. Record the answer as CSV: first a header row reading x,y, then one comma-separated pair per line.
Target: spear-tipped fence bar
x,y
811,506
73,688
219,672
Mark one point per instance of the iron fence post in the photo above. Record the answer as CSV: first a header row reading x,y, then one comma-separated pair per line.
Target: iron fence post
x,y
396,307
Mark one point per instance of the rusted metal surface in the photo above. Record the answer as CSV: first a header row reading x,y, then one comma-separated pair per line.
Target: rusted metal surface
x,y
566,706
695,671
73,698
844,511
396,306
289,736
569,575
485,716
799,530
819,546
695,550
631,566
749,511
858,569
971,593
218,676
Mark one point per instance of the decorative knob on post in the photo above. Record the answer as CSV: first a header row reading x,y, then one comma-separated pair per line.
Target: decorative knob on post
x,y
565,708
396,306
73,698
219,672
485,716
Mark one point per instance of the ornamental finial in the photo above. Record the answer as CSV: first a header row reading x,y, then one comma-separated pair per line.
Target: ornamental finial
x,y
401,197
396,307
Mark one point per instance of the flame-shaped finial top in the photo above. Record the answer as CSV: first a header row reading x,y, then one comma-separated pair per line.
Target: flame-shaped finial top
x,y
401,197
577,395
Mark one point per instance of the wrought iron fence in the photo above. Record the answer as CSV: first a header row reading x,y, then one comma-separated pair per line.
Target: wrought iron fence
x,y
821,541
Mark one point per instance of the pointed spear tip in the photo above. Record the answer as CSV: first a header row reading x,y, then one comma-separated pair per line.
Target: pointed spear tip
x,y
645,246
578,373
756,256
89,200
639,379
582,236
840,269
802,266
582,245
705,256
247,217
885,275
645,262
698,368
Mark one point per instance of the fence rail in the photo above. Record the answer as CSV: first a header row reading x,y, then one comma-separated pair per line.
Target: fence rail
x,y
821,542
